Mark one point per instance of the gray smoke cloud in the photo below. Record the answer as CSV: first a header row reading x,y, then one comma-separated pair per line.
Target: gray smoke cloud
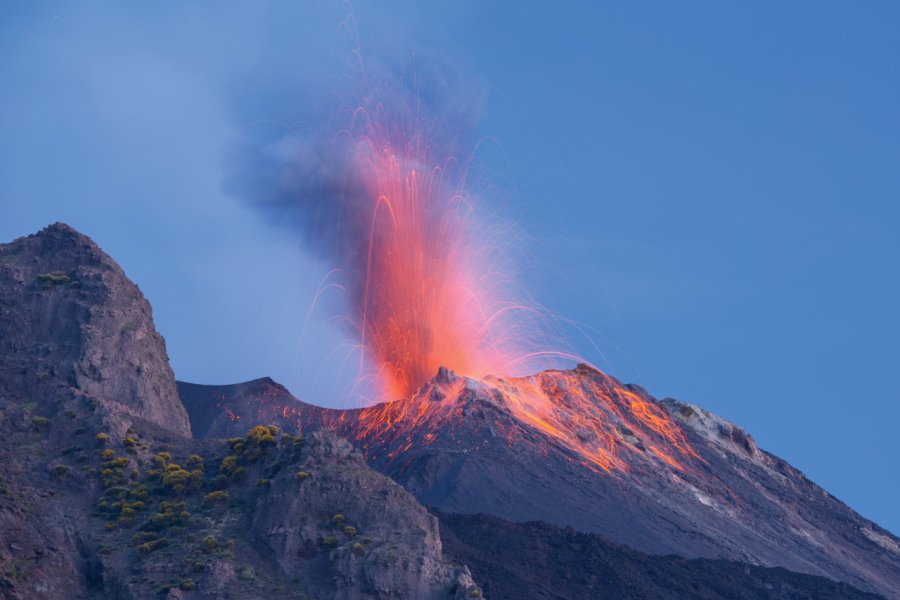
x,y
303,173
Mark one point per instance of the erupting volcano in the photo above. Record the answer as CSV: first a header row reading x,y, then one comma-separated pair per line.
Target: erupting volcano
x,y
428,282
425,274
464,391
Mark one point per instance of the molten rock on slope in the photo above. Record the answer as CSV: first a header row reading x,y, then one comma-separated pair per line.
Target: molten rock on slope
x,y
578,448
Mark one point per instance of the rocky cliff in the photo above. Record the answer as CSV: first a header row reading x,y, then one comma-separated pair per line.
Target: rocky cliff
x,y
105,494
71,318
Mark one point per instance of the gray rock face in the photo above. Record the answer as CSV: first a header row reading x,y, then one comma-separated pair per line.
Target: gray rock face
x,y
390,548
69,314
104,494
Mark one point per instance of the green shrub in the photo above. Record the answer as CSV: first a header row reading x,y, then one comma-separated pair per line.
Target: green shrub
x,y
303,475
60,470
338,519
263,436
148,547
178,480
210,544
246,573
187,585
144,536
54,278
129,441
358,549
349,531
102,437
138,490
107,454
330,541
40,422
217,497
229,464
171,514
263,482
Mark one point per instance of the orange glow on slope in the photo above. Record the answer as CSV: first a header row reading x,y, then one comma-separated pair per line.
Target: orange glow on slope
x,y
587,415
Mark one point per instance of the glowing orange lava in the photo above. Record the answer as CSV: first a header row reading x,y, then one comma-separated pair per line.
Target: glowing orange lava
x,y
585,414
427,283
428,286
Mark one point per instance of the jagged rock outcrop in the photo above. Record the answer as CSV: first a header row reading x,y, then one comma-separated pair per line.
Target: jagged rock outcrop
x,y
69,315
386,549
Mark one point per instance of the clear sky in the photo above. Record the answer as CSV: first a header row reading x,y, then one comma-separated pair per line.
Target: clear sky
x,y
710,188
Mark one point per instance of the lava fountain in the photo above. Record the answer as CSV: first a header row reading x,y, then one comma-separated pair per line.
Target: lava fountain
x,y
425,284
429,288
426,274
383,197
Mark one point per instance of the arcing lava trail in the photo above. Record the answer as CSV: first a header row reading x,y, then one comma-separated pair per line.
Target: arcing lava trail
x,y
421,266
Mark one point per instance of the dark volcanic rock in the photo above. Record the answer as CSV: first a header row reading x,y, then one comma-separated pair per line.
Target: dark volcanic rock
x,y
390,548
732,501
69,316
221,411
536,561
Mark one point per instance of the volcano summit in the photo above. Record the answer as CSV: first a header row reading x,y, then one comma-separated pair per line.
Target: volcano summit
x,y
662,477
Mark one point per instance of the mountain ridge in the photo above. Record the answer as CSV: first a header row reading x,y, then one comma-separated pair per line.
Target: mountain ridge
x,y
735,501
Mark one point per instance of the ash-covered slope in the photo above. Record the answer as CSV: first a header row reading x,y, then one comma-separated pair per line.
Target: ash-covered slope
x,y
104,494
659,476
543,562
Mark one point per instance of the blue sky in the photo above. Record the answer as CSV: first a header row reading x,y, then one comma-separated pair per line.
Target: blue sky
x,y
710,189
